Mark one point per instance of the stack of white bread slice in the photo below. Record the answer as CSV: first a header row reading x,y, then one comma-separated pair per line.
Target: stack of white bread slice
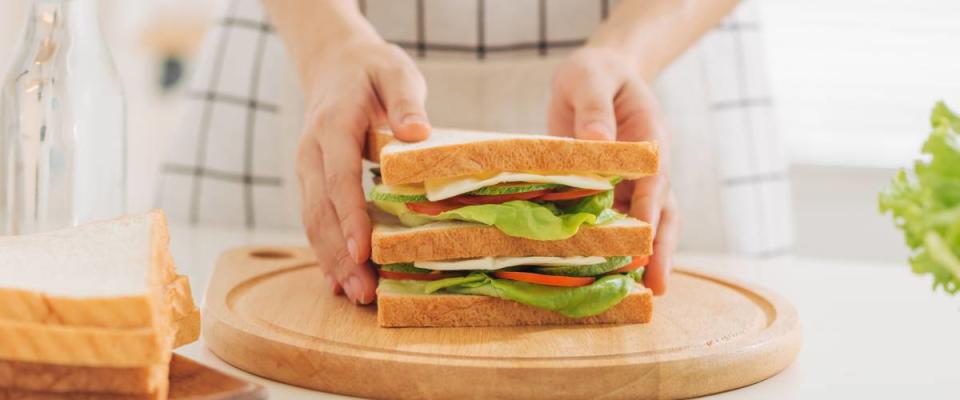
x,y
484,229
92,311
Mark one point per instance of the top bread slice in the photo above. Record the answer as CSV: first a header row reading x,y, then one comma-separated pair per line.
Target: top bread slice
x,y
449,153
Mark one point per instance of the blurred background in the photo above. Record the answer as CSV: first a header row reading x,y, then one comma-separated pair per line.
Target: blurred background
x,y
853,83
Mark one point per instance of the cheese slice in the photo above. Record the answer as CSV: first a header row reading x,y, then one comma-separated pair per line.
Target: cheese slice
x,y
445,188
495,263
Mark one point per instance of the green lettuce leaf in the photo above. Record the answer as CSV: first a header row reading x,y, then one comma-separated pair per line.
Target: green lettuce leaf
x,y
520,218
574,302
925,203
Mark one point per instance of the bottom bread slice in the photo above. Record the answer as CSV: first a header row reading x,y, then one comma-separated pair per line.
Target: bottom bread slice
x,y
396,310
41,380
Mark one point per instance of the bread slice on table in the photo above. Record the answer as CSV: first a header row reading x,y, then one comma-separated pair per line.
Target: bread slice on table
x,y
449,153
96,308
95,382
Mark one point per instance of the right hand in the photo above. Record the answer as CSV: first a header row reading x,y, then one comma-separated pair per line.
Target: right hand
x,y
349,90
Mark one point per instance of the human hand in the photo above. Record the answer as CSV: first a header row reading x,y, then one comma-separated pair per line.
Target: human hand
x,y
599,94
348,90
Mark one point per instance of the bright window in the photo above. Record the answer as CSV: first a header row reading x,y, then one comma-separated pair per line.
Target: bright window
x,y
854,80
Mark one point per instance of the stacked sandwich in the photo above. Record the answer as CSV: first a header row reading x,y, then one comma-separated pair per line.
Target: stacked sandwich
x,y
92,311
480,229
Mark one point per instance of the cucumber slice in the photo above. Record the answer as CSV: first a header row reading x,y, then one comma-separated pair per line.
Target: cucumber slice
x,y
404,267
611,264
511,188
400,193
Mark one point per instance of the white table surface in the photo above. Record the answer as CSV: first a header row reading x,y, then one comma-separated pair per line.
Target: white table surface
x,y
870,330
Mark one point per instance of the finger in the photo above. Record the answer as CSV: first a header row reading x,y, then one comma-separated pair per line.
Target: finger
x,y
639,115
661,262
341,131
649,194
592,102
315,210
559,115
341,271
402,93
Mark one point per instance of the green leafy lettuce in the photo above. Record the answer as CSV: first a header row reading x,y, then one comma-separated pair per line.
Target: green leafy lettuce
x,y
521,218
925,204
575,302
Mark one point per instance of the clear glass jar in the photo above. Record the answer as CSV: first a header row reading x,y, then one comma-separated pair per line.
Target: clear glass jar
x,y
62,124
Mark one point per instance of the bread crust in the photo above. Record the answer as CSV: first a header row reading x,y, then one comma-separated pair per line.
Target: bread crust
x,y
450,310
50,379
631,159
469,240
68,345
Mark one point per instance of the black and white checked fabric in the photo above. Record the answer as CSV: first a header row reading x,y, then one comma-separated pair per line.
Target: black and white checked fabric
x,y
488,65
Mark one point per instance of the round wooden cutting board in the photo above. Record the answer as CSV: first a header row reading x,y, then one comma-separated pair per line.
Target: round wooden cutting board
x,y
269,312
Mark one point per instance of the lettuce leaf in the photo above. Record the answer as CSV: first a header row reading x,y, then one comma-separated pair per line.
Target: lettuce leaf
x,y
520,218
925,203
574,302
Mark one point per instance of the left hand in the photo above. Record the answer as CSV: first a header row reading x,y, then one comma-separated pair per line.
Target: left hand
x,y
599,94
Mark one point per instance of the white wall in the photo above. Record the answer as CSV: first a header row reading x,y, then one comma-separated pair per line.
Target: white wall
x,y
837,215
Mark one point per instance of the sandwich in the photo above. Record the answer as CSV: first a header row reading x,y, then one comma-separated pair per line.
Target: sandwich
x,y
93,310
483,229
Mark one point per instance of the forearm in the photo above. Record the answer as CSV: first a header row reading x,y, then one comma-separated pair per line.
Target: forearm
x,y
310,29
655,32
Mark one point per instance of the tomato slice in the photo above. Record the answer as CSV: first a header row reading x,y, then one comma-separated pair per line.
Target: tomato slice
x,y
569,194
549,280
637,263
413,276
498,198
433,207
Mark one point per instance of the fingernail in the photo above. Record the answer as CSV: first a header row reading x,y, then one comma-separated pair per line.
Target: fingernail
x,y
332,282
352,248
597,129
352,289
411,119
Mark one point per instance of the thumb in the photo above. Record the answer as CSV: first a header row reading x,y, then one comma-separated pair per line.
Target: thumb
x,y
402,94
594,116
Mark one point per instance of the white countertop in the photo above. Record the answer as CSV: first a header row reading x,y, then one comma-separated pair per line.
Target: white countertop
x,y
870,330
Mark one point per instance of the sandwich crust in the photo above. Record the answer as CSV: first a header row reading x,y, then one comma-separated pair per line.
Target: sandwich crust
x,y
42,380
450,310
456,240
628,159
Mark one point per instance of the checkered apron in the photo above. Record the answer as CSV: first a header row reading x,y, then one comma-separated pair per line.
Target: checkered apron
x,y
488,65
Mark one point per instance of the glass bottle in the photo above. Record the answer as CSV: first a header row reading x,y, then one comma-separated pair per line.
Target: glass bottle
x,y
62,124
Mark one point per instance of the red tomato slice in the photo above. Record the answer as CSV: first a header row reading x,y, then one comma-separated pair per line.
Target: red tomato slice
x,y
549,280
413,276
433,207
569,194
499,198
637,263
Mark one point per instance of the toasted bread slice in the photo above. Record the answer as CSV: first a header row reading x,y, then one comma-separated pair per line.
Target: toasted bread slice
x,y
448,153
393,243
454,310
